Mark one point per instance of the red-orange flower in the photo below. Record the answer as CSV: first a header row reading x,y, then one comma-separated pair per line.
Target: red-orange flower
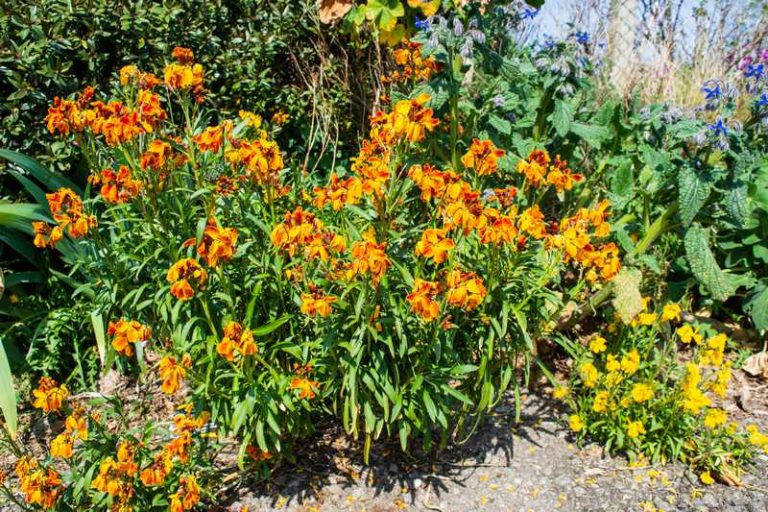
x,y
218,244
483,157
434,244
173,372
305,386
465,290
316,303
181,276
236,341
49,396
117,187
126,332
422,300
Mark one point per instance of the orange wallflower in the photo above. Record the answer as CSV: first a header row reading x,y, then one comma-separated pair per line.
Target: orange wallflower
x,y
434,244
561,176
432,182
305,386
183,76
117,187
261,158
422,300
62,446
535,167
531,221
45,235
339,193
187,496
156,155
181,276
236,340
183,55
316,303
76,424
414,66
126,332
210,139
41,486
131,74
369,258
218,244
173,372
49,396
67,210
483,157
497,228
465,289
155,473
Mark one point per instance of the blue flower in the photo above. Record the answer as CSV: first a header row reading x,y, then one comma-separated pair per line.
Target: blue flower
x,y
421,24
718,128
762,101
711,90
582,37
529,14
754,71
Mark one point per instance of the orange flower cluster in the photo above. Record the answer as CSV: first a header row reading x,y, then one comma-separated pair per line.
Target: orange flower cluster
x,y
370,257
434,244
181,273
236,341
49,396
316,303
185,74
339,193
574,239
117,187
302,230
126,332
116,475
217,245
305,386
422,299
156,155
41,486
262,160
414,66
132,75
172,372
464,207
212,137
187,496
483,157
465,289
178,448
76,427
67,210
114,121
410,120
538,171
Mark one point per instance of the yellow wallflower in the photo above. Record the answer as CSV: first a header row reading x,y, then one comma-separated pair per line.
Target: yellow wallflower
x,y
706,478
688,334
597,344
589,374
576,423
630,362
601,401
560,392
635,429
642,392
646,319
671,311
715,417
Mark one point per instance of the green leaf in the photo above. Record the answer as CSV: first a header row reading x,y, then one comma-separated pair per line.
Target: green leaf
x,y
51,180
271,326
100,334
704,266
500,125
622,183
756,305
694,191
593,135
562,117
737,204
19,216
7,395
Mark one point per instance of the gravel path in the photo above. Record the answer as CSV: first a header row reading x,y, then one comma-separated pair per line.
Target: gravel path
x,y
532,466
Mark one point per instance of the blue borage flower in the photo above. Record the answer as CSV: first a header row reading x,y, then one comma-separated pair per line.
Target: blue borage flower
x,y
421,24
756,71
719,128
581,37
762,101
528,13
711,90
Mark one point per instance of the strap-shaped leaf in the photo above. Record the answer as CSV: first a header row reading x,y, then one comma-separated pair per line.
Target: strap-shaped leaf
x,y
704,266
694,191
7,395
